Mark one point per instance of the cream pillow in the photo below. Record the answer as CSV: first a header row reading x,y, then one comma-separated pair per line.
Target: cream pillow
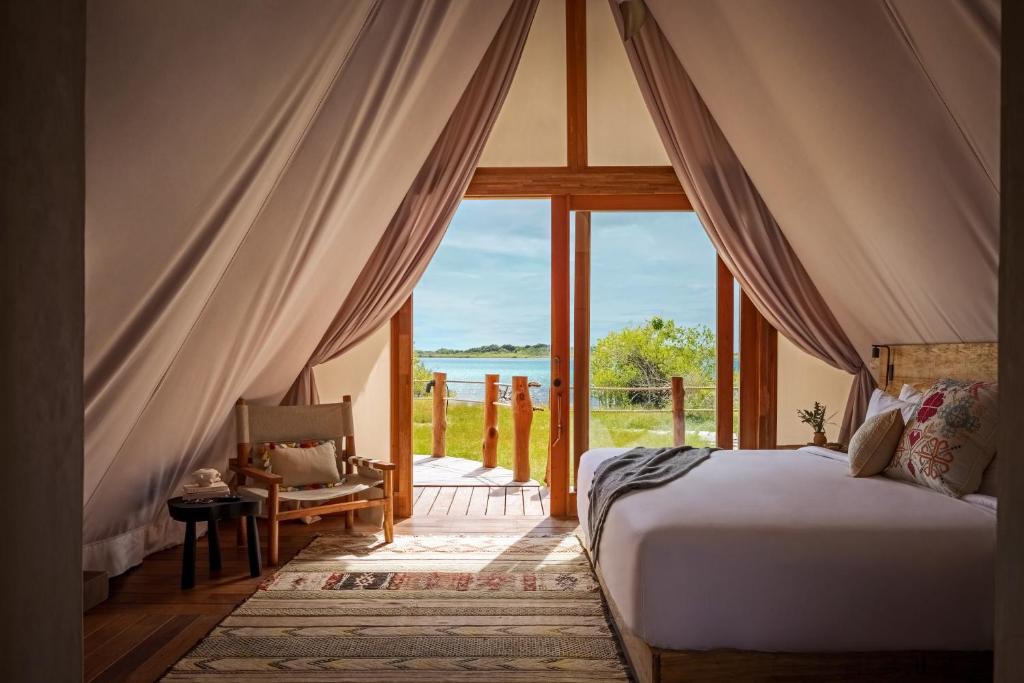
x,y
305,466
873,445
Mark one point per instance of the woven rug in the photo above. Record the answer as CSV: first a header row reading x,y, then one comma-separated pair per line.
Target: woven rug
x,y
430,608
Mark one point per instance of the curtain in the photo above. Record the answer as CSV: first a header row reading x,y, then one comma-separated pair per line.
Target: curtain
x,y
870,130
243,160
416,229
732,212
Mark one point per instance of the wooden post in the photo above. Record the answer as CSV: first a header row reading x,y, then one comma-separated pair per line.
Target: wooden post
x,y
522,418
402,407
724,358
678,412
490,441
440,421
581,345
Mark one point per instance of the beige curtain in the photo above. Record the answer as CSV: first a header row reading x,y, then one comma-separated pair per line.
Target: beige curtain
x,y
732,211
243,160
870,129
416,229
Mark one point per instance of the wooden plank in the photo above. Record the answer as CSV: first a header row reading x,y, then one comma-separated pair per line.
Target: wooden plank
x,y
417,492
131,661
426,500
531,501
576,81
514,501
443,502
401,407
725,316
581,343
595,180
559,402
177,647
460,503
99,659
478,503
495,501
630,202
545,499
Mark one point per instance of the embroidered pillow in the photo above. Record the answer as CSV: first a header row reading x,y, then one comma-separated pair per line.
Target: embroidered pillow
x,y
952,439
305,466
873,445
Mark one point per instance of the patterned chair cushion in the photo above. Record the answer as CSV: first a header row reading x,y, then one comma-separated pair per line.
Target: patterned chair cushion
x,y
951,440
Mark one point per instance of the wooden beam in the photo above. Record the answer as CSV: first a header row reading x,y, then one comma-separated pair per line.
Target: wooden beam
x,y
558,405
724,358
581,344
758,378
401,407
596,180
629,202
576,81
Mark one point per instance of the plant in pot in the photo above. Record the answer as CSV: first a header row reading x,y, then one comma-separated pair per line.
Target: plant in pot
x,y
815,417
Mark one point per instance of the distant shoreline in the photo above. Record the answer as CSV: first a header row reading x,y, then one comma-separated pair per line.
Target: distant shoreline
x,y
492,354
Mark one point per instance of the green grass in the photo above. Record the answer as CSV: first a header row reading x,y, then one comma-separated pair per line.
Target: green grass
x,y
622,430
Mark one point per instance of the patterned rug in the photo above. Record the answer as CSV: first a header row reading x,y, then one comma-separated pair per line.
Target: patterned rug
x,y
428,608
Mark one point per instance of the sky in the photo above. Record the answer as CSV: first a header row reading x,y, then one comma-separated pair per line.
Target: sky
x,y
489,282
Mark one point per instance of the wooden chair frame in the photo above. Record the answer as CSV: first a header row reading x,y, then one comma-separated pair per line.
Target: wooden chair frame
x,y
243,468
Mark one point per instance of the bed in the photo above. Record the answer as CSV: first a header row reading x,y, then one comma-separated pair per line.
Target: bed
x,y
754,554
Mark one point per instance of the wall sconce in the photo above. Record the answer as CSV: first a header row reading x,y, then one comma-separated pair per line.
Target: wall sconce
x,y
890,366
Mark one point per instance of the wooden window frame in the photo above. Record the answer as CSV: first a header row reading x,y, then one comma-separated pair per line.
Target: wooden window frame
x,y
577,186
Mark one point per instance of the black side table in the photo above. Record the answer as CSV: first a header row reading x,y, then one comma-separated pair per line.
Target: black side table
x,y
221,508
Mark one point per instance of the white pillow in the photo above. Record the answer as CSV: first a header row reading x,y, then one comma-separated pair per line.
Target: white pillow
x,y
305,466
882,402
910,393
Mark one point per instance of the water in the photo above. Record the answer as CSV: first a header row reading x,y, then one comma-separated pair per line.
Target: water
x,y
474,369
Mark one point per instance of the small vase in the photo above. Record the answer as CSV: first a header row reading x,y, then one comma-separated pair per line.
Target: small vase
x,y
820,439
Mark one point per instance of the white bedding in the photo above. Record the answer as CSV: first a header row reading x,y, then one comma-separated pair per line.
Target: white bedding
x,y
783,551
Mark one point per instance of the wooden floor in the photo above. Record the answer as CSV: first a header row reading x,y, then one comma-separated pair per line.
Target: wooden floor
x,y
148,623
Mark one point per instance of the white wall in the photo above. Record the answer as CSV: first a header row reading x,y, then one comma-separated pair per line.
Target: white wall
x,y
365,374
803,380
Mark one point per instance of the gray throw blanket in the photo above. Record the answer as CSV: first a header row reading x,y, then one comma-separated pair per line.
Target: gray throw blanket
x,y
640,468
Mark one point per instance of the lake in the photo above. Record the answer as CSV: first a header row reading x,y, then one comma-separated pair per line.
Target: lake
x,y
474,369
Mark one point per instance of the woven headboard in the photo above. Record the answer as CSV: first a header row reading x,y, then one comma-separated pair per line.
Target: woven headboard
x,y
923,364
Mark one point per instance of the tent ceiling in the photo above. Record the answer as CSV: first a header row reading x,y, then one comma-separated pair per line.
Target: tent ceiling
x,y
871,130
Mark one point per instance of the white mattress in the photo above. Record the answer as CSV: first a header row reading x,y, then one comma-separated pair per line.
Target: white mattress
x,y
783,551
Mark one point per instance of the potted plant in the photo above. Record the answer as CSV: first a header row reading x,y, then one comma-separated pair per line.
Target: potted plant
x,y
815,417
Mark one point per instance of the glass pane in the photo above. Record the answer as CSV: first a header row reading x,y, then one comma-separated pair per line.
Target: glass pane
x,y
483,307
652,318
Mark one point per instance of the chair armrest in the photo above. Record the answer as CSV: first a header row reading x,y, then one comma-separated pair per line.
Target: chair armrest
x,y
378,465
259,475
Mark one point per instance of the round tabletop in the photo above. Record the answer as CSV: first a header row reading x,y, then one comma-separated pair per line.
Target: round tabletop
x,y
225,507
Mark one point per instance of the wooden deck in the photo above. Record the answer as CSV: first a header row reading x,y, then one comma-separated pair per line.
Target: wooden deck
x,y
480,501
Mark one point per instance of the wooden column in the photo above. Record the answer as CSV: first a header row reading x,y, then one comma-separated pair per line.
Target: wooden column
x,y
401,407
440,419
678,412
581,344
724,358
489,447
522,419
758,361
558,453
1009,601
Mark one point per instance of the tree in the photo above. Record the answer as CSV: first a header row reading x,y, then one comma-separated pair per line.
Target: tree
x,y
420,372
648,355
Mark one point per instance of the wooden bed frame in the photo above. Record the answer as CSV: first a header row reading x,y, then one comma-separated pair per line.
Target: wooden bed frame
x,y
911,364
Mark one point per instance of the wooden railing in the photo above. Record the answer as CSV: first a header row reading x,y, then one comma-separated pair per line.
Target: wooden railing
x,y
516,396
